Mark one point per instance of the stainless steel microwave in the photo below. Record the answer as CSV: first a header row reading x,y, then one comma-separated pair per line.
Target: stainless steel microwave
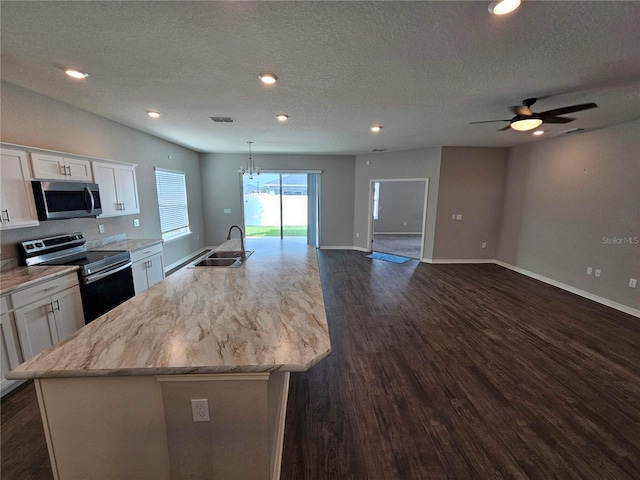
x,y
66,199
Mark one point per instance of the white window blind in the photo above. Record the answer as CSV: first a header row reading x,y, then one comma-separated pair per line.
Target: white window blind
x,y
172,203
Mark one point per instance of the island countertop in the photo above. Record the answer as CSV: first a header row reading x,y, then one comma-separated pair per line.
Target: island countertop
x,y
267,315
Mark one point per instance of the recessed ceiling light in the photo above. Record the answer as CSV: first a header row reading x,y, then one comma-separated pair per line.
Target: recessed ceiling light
x,y
72,72
268,78
282,117
376,129
153,114
502,7
538,132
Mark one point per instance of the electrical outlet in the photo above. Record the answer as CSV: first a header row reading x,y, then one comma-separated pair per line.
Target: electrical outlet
x,y
484,244
459,216
357,235
633,282
227,210
136,222
200,409
589,270
101,228
453,217
598,272
405,224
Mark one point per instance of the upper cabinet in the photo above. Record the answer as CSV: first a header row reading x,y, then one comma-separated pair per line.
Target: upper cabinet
x,y
118,188
17,207
54,167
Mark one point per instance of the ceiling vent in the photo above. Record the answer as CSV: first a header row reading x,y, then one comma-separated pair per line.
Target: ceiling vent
x,y
222,119
378,150
573,130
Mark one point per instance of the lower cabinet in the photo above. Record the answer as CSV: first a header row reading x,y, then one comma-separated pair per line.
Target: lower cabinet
x,y
47,313
48,321
148,267
10,354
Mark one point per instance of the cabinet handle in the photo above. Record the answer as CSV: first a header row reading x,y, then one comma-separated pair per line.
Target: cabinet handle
x,y
64,170
51,306
57,305
69,169
6,212
123,206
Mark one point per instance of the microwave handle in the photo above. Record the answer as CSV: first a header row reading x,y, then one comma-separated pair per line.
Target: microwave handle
x,y
91,197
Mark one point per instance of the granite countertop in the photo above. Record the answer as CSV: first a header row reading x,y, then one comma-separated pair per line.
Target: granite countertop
x,y
267,315
128,245
16,278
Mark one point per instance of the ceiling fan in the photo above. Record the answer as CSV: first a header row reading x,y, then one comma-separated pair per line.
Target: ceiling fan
x,y
525,119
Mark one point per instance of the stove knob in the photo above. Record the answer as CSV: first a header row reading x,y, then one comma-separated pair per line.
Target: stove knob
x,y
39,244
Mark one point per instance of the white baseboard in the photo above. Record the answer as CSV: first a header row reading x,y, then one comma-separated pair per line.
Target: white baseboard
x,y
458,260
397,233
604,301
339,247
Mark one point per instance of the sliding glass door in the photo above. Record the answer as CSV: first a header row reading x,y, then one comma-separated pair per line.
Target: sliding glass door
x,y
281,204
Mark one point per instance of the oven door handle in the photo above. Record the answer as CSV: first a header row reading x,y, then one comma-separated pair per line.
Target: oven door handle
x,y
99,276
93,203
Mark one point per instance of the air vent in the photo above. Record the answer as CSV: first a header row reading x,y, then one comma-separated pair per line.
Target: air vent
x,y
222,119
573,130
378,150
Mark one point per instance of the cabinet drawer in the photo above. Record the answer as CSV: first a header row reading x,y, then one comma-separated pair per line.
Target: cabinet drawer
x,y
42,290
4,305
146,252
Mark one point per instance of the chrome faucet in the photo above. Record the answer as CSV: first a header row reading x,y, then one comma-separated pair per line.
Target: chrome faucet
x,y
244,253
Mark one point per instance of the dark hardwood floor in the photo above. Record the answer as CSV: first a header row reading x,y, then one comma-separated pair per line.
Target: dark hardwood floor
x,y
442,372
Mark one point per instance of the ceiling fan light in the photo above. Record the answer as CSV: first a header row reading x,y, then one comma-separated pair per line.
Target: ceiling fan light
x,y
525,124
268,78
502,7
73,73
537,133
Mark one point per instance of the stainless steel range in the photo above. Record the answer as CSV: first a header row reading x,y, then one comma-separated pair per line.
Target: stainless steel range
x,y
105,276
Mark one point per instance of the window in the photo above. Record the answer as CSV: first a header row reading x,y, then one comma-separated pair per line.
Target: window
x,y
172,203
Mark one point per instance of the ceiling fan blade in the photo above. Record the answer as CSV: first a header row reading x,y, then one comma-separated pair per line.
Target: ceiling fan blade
x,y
562,111
489,121
505,128
521,110
558,119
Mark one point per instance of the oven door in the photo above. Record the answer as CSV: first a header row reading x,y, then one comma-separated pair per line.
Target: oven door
x,y
105,290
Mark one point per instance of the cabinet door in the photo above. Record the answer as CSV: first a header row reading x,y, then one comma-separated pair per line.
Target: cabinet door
x,y
78,169
139,270
67,310
105,176
16,195
48,166
155,269
128,190
9,353
36,327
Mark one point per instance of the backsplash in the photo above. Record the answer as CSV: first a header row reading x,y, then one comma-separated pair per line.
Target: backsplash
x,y
98,242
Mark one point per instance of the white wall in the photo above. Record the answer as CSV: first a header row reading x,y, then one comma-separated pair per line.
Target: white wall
x,y
564,198
221,187
35,120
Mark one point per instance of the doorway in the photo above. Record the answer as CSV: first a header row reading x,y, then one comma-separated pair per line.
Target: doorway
x,y
281,204
398,216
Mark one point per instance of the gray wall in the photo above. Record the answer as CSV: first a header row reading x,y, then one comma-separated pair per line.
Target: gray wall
x,y
471,184
564,198
34,120
401,207
424,163
221,187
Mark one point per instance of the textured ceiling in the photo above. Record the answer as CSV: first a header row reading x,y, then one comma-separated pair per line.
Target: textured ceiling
x,y
422,70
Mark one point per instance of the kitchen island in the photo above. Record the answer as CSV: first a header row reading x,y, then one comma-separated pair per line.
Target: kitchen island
x,y
116,396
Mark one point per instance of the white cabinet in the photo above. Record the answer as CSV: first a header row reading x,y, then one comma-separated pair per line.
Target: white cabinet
x,y
118,188
17,207
55,167
9,349
47,313
147,267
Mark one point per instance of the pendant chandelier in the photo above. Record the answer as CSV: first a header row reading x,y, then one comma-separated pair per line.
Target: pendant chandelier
x,y
250,169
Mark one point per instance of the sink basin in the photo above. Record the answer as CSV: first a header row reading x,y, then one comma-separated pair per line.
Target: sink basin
x,y
219,262
225,255
225,259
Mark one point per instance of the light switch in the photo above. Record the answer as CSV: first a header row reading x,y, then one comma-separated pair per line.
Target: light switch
x,y
227,210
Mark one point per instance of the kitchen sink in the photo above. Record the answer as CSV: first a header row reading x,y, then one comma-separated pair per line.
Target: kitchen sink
x,y
219,262
225,259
